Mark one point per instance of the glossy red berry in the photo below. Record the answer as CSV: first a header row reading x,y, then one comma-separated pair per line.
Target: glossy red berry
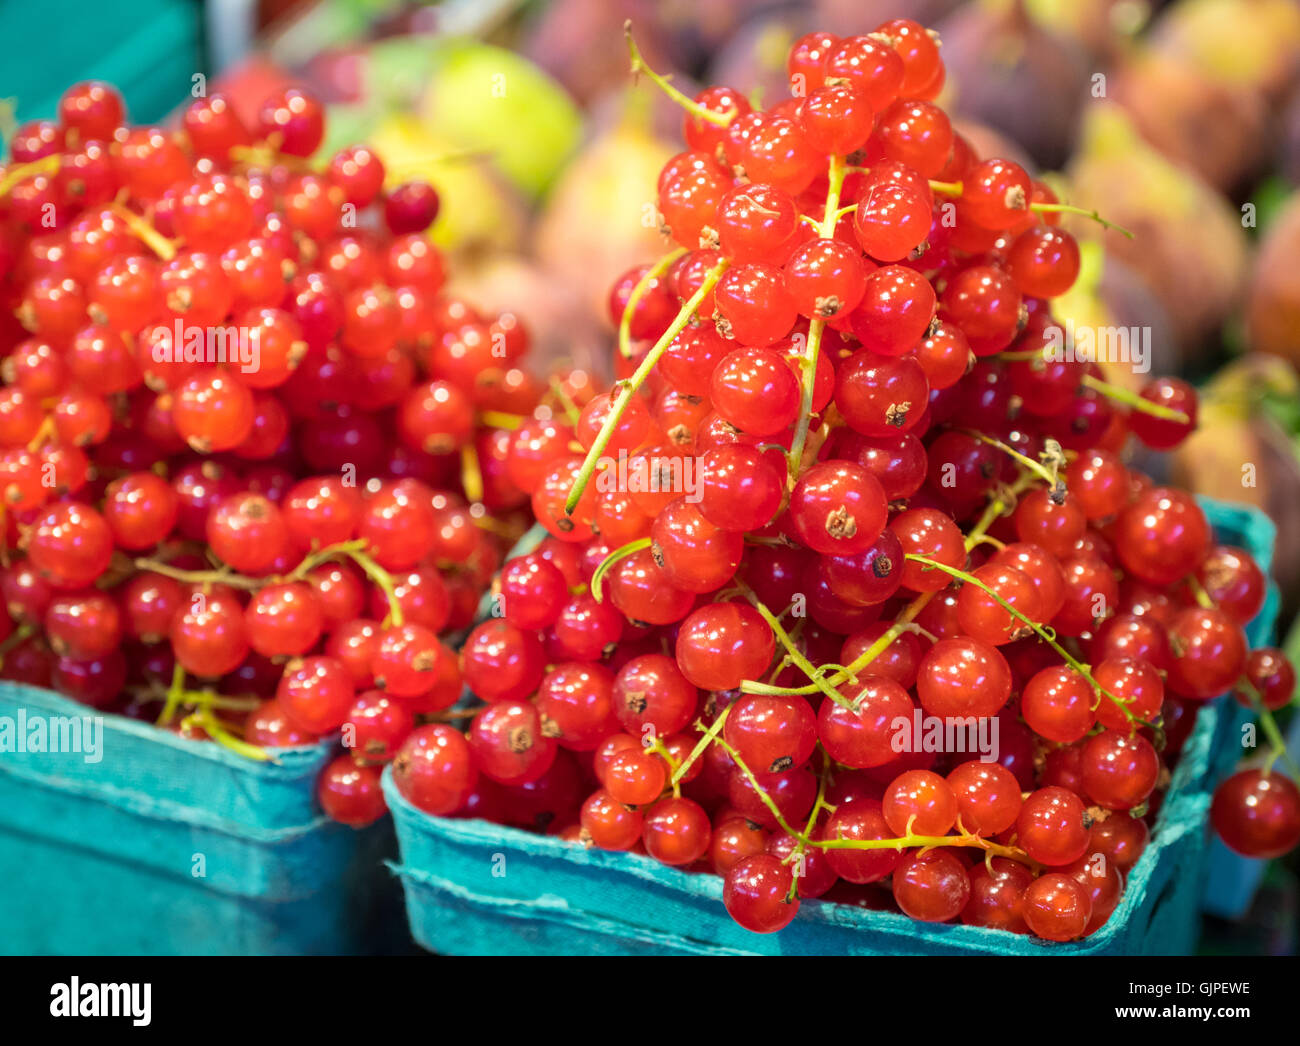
x,y
756,894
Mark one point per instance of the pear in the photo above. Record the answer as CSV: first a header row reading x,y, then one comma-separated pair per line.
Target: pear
x,y
1245,449
1250,44
1189,243
490,100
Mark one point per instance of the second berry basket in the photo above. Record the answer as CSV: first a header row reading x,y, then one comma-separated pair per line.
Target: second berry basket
x,y
474,887
158,845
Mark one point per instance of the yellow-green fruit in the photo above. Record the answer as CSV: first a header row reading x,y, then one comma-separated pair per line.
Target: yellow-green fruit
x,y
486,98
477,209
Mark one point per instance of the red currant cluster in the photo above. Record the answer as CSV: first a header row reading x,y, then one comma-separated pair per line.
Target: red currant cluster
x,y
845,485
258,547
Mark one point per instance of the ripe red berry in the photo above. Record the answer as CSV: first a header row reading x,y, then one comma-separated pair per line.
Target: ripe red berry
x,y
756,891
1257,814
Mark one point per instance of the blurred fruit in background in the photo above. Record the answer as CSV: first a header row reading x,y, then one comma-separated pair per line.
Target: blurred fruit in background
x,y
491,100
598,218
1188,246
1245,450
1008,71
1180,118
1273,306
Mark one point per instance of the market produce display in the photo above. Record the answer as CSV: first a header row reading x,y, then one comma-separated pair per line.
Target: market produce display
x,y
848,479
845,587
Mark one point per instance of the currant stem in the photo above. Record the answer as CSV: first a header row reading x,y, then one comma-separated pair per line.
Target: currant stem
x,y
946,188
175,693
22,632
996,506
661,749
793,652
1044,632
768,801
1068,208
1269,725
500,420
629,388
203,577
1199,594
598,576
43,434
819,804
926,842
318,556
21,172
566,403
384,580
471,473
208,720
151,237
1049,476
639,292
1132,399
691,106
808,362
709,735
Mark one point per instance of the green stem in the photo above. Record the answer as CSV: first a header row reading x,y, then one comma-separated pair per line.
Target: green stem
x,y
793,652
384,580
1133,400
1044,632
571,410
319,556
1198,592
946,188
1269,725
925,841
21,172
1067,208
634,299
152,238
819,804
691,106
22,632
175,694
203,577
629,387
704,742
471,473
768,801
208,720
661,749
996,506
808,362
1050,477
598,577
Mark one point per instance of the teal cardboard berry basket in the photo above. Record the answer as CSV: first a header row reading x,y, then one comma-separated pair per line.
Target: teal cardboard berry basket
x,y
165,846
148,49
475,888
